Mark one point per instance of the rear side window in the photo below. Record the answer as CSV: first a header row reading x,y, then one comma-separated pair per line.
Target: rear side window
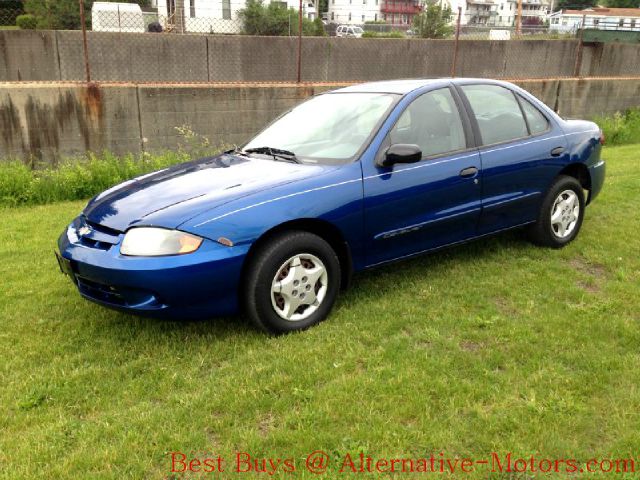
x,y
538,123
497,112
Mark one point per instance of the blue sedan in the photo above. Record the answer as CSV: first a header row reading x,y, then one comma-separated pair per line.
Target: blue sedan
x,y
347,180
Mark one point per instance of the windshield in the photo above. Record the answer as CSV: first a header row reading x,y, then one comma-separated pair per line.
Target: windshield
x,y
329,128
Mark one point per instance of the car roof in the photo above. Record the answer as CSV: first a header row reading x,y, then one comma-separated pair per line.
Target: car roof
x,y
403,87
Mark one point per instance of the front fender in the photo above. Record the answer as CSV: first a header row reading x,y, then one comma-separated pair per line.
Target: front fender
x,y
335,198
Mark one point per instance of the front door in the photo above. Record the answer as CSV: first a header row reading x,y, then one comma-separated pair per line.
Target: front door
x,y
410,208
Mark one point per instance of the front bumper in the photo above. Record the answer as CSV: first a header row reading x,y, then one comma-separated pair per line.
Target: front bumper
x,y
197,285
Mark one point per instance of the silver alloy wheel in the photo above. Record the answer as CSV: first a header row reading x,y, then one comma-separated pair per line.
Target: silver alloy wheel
x,y
299,287
565,214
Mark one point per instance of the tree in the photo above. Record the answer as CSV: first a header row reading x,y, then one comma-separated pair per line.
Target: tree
x,y
623,3
64,14
57,14
575,4
434,22
273,19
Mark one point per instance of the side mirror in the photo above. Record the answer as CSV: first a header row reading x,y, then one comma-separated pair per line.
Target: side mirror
x,y
401,153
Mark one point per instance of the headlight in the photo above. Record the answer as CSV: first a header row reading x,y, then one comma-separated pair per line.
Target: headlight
x,y
154,242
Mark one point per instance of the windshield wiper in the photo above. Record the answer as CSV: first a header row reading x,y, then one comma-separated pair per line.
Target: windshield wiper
x,y
276,153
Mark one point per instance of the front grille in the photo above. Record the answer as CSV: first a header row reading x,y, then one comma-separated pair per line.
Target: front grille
x,y
94,235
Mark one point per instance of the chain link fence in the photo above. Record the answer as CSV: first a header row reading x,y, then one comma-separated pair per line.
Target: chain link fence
x,y
126,43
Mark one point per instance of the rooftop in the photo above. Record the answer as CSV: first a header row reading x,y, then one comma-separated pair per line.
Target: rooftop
x,y
403,87
605,12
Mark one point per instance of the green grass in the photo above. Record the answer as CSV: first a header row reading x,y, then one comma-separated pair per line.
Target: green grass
x,y
493,346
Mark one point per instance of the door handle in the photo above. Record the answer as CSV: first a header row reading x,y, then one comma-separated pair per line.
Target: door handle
x,y
556,152
468,172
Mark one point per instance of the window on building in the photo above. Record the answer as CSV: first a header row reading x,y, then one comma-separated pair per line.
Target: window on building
x,y
497,112
375,17
633,23
192,9
333,17
433,123
349,16
364,2
596,21
362,18
621,22
226,9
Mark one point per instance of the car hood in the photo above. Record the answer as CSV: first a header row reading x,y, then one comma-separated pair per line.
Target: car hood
x,y
172,196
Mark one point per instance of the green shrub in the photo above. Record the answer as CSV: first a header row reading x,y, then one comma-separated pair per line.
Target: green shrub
x,y
621,128
75,179
26,22
391,34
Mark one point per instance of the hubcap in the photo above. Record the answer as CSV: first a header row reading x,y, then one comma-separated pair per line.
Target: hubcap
x,y
299,287
565,213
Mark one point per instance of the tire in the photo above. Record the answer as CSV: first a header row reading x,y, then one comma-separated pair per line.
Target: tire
x,y
561,201
283,279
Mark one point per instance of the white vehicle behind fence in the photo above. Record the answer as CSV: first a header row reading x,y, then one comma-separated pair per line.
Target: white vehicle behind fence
x,y
117,17
349,31
499,35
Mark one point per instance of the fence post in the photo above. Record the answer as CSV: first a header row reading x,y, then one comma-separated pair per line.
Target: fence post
x,y
455,45
300,41
578,65
84,42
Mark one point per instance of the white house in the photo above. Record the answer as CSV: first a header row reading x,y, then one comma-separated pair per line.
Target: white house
x,y
215,16
598,17
498,13
354,11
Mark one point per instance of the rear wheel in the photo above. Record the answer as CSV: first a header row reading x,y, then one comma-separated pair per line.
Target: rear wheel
x,y
561,214
291,283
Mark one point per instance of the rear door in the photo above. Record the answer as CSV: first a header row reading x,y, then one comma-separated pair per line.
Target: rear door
x,y
520,150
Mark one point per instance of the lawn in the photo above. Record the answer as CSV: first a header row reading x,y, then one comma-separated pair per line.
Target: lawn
x,y
495,346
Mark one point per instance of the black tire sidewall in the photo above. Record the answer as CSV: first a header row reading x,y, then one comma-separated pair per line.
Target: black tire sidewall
x,y
266,263
561,184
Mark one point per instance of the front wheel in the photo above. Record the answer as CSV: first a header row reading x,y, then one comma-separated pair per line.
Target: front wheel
x,y
561,214
291,283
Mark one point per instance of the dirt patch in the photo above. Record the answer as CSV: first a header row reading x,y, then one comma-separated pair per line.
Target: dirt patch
x,y
581,265
505,307
595,272
266,424
468,346
591,288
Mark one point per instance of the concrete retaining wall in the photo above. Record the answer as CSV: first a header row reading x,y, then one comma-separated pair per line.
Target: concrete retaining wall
x,y
46,122
142,57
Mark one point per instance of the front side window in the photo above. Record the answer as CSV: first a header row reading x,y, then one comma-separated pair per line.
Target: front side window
x,y
497,112
538,123
432,122
329,128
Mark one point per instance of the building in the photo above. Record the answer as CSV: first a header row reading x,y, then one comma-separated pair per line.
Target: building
x,y
214,16
600,18
498,13
354,12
